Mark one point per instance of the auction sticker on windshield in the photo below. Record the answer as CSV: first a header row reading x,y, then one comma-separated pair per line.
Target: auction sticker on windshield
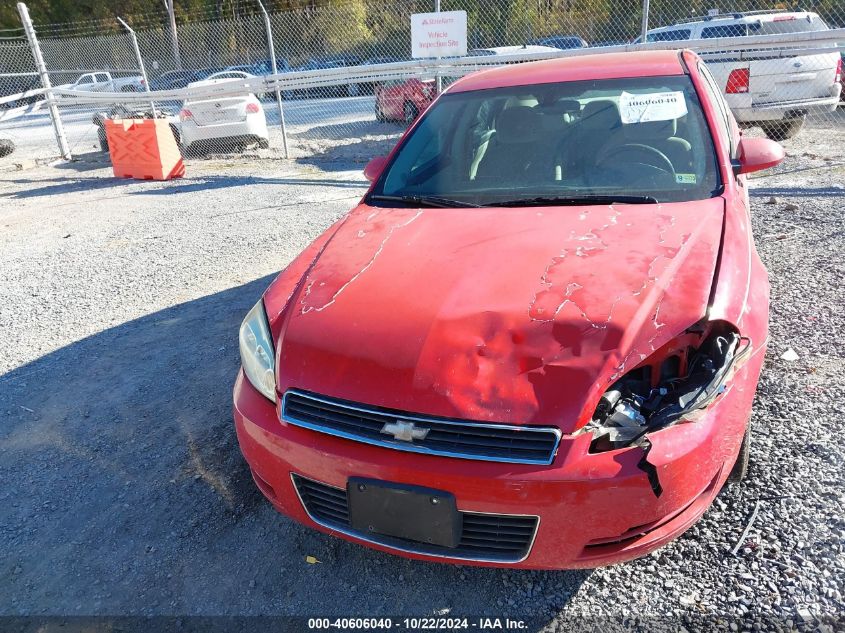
x,y
655,106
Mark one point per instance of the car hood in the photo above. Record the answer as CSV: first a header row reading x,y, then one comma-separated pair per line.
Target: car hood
x,y
519,316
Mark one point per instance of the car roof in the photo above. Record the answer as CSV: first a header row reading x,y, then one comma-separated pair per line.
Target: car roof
x,y
738,18
575,68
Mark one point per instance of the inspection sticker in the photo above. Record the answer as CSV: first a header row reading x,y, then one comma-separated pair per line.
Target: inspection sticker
x,y
685,179
655,106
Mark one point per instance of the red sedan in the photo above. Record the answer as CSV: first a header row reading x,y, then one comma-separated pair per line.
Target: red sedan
x,y
403,100
536,340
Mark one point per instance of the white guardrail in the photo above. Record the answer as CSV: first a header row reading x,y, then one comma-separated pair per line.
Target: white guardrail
x,y
762,46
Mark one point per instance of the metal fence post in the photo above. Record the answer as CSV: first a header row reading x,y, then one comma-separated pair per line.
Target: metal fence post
x,y
61,140
140,60
644,28
272,50
437,78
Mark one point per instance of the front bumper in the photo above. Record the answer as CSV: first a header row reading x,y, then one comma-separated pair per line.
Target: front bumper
x,y
593,509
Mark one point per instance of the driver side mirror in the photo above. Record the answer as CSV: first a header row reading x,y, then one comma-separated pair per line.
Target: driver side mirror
x,y
375,167
756,154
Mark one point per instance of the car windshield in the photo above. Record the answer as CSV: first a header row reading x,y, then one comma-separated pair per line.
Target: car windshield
x,y
630,139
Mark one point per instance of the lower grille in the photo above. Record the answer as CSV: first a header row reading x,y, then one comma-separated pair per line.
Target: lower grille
x,y
503,538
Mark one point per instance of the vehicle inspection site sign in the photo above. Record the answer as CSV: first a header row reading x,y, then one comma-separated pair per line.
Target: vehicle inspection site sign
x,y
439,34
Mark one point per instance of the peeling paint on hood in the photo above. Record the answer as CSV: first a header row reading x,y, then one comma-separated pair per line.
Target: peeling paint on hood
x,y
521,316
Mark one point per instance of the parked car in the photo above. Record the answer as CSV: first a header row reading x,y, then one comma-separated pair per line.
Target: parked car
x,y
771,91
369,87
228,122
840,71
535,341
326,63
403,99
176,79
563,42
104,82
15,86
525,49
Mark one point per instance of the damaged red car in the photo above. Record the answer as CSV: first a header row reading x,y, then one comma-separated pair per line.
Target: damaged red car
x,y
536,340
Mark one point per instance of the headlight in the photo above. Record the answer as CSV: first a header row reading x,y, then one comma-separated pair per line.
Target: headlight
x,y
257,351
684,377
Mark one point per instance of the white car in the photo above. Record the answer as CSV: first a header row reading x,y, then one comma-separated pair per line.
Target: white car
x,y
765,89
104,82
228,120
525,49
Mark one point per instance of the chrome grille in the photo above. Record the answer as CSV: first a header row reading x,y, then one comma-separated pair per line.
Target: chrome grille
x,y
503,538
450,438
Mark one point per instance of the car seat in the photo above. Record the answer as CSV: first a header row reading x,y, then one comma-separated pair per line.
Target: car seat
x,y
520,150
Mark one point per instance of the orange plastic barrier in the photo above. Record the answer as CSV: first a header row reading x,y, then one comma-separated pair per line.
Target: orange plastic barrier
x,y
143,149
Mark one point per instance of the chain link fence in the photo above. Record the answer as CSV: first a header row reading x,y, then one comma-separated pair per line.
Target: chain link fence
x,y
345,81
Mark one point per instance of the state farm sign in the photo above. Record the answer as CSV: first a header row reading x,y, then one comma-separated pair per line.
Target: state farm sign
x,y
439,34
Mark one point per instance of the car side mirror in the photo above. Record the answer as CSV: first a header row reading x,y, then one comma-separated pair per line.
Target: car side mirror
x,y
756,154
375,167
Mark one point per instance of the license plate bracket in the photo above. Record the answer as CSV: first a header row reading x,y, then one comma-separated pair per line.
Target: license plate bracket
x,y
413,513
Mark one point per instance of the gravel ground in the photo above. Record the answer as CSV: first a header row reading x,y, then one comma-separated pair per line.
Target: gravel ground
x,y
125,492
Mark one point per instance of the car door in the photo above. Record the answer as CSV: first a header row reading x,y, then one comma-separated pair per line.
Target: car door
x,y
85,83
102,82
393,98
773,80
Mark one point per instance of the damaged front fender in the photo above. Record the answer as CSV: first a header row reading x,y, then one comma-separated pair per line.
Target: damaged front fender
x,y
677,384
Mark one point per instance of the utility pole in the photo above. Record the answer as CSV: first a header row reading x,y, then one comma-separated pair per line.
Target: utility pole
x,y
58,129
174,36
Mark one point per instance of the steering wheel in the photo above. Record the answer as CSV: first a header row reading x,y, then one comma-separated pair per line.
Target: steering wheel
x,y
653,157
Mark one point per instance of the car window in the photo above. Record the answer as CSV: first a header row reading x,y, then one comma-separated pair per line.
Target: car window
x,y
792,24
101,77
726,126
725,30
84,80
670,36
633,136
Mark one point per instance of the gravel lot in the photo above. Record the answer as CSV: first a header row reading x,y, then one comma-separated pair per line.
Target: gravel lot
x,y
125,492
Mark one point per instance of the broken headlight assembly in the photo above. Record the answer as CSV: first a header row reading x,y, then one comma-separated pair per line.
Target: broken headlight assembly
x,y
677,381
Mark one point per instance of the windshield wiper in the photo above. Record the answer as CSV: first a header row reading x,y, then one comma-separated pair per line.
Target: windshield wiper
x,y
551,201
425,201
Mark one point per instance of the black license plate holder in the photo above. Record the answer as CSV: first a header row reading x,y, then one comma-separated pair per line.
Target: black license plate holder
x,y
413,513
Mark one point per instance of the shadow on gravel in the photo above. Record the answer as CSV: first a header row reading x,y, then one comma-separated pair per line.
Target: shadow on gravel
x,y
124,492
180,186
62,185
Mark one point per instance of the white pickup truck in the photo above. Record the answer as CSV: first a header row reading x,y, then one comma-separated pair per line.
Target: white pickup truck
x,y
103,82
775,90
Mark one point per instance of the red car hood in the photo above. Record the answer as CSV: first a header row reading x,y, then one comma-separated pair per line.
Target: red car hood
x,y
521,316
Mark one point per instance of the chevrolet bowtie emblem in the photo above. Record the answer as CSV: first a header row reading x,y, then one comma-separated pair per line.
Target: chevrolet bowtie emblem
x,y
404,431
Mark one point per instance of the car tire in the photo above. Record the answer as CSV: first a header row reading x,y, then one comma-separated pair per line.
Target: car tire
x,y
782,130
103,139
263,143
410,113
6,147
740,469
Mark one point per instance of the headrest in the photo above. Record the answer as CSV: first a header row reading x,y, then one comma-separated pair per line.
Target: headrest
x,y
602,114
567,106
650,131
520,124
